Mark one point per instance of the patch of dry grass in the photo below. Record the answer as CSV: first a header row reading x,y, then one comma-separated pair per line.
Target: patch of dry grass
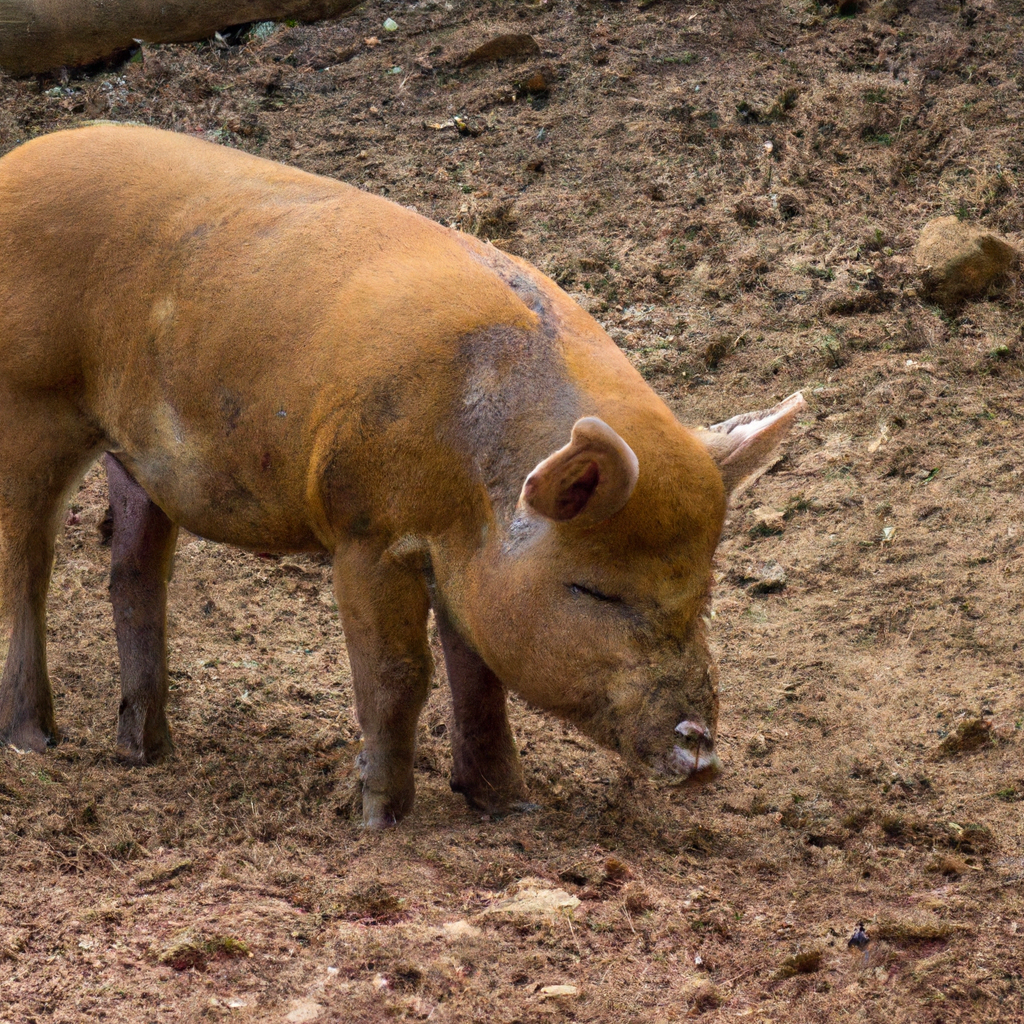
x,y
884,649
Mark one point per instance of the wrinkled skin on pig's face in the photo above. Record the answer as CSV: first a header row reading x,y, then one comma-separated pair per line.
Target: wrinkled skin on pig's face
x,y
591,602
607,637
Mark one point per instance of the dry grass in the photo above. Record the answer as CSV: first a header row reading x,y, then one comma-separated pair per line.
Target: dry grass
x,y
912,928
871,709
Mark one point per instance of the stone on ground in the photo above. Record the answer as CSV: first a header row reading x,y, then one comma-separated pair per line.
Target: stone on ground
x,y
958,261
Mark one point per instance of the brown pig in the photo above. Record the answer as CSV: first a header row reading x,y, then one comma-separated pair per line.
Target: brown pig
x,y
282,362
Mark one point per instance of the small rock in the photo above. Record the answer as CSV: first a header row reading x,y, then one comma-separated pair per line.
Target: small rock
x,y
768,522
262,30
501,48
770,580
958,261
531,897
303,1011
460,930
538,83
554,991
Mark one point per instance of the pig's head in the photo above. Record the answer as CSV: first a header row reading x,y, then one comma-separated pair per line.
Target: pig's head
x,y
592,603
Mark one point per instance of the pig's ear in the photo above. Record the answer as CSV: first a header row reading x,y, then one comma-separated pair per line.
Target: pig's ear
x,y
743,446
588,480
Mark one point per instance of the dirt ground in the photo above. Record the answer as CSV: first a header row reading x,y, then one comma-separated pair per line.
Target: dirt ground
x,y
872,707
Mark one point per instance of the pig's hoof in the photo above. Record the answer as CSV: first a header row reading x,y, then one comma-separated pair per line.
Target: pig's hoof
x,y
29,738
380,821
150,750
142,738
381,812
140,756
492,801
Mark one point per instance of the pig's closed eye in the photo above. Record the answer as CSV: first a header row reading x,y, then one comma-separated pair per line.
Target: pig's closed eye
x,y
578,588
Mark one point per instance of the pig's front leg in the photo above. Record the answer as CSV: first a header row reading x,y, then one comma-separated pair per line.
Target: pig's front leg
x,y
142,553
383,607
485,762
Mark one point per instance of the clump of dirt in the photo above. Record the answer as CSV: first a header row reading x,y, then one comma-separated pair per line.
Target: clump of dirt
x,y
806,961
974,734
189,950
736,194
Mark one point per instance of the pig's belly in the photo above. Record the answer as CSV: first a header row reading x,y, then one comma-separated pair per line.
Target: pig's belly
x,y
258,510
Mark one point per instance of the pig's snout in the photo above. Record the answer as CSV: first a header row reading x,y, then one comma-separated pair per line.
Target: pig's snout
x,y
694,756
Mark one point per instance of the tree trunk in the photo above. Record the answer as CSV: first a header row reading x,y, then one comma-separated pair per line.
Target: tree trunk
x,y
41,35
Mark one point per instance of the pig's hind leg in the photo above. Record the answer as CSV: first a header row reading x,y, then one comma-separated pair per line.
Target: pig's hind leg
x,y
485,762
44,448
141,557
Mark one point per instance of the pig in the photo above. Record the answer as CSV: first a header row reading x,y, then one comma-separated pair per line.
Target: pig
x,y
283,362
42,35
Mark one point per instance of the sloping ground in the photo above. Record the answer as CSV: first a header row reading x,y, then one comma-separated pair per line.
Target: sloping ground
x,y
873,707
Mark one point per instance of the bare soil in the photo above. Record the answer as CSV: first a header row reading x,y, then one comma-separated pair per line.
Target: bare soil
x,y
872,708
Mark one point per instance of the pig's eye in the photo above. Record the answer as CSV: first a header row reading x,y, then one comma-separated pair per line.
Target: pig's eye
x,y
578,588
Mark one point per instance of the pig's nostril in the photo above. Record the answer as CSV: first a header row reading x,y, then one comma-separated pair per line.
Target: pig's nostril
x,y
695,731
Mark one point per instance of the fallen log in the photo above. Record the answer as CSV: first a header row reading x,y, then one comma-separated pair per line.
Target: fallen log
x,y
42,35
